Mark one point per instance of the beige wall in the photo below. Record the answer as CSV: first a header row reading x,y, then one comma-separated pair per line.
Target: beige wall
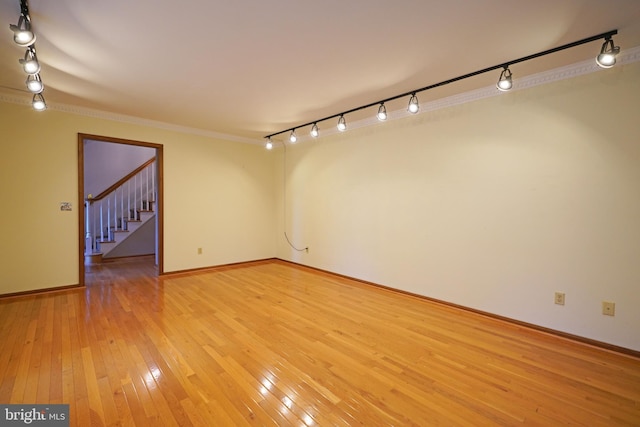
x,y
452,204
218,196
494,205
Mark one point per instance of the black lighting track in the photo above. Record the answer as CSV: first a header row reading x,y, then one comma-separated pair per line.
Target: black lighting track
x,y
604,36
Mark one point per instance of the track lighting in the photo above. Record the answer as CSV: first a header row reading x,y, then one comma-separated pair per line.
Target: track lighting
x,y
414,106
22,34
606,59
293,138
269,144
342,124
608,53
38,102
34,83
505,82
382,112
30,62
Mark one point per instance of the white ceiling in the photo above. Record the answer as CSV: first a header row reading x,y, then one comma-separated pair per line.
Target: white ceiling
x,y
251,68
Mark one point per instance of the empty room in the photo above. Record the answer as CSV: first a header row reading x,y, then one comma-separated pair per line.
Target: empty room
x,y
320,214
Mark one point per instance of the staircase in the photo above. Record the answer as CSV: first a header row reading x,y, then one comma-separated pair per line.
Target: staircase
x,y
118,212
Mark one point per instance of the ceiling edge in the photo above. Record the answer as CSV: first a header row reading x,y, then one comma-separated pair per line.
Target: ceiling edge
x,y
626,56
88,112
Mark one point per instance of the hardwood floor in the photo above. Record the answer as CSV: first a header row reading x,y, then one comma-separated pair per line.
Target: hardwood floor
x,y
273,344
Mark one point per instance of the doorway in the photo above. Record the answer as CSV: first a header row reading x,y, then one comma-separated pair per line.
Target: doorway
x,y
123,151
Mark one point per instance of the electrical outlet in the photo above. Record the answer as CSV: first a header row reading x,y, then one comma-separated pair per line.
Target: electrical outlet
x,y
608,308
199,251
559,298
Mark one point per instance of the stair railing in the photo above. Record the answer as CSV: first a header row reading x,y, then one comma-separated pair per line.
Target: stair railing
x,y
111,210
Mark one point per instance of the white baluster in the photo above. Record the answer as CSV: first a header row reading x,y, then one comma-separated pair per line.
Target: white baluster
x,y
141,193
94,223
153,181
122,208
87,237
147,193
101,223
135,196
129,199
108,218
115,211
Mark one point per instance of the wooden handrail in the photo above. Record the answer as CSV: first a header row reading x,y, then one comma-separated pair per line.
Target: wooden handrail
x,y
122,181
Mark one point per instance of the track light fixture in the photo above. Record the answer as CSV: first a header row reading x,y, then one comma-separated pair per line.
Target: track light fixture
x,y
293,138
382,112
38,102
22,34
608,53
34,83
30,62
505,81
269,144
342,124
606,59
414,106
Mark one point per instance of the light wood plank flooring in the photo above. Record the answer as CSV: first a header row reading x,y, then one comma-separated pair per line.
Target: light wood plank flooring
x,y
274,344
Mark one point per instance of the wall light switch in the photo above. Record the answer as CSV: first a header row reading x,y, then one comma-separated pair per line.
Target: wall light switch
x,y
559,298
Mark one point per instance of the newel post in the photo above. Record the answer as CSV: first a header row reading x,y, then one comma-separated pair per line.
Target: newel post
x,y
88,240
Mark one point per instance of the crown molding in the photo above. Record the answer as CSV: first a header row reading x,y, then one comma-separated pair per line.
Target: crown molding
x,y
151,123
627,56
105,115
